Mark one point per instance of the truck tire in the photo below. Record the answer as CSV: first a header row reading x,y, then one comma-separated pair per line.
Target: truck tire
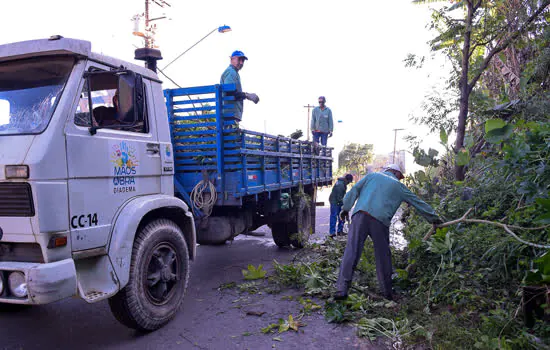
x,y
279,231
300,229
159,273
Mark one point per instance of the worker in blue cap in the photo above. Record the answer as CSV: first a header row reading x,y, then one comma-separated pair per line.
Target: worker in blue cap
x,y
231,76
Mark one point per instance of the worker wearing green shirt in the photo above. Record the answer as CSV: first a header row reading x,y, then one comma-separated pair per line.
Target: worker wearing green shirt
x,y
378,197
336,201
321,122
231,76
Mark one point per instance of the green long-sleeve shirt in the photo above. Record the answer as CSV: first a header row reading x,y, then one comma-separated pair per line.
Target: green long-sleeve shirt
x,y
321,120
381,194
338,192
231,76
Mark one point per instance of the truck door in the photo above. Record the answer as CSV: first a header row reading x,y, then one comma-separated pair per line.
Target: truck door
x,y
113,154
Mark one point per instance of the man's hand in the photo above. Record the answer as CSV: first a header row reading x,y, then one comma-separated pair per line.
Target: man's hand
x,y
344,215
252,97
437,222
330,134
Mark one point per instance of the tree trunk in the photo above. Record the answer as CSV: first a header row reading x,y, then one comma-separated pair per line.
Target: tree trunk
x,y
464,88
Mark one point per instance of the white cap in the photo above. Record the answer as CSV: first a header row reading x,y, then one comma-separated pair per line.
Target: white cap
x,y
394,167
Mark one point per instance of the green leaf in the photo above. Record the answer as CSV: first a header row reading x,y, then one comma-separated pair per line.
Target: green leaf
x,y
493,124
543,202
543,219
269,328
463,157
532,277
499,135
254,273
468,141
443,136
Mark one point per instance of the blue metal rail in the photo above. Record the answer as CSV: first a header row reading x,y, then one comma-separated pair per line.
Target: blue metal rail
x,y
207,139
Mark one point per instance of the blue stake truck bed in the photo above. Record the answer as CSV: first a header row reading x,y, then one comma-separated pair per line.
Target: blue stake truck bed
x,y
236,180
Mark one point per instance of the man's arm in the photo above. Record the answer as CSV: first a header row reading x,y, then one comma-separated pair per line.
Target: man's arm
x,y
230,77
339,193
312,124
330,123
423,208
351,196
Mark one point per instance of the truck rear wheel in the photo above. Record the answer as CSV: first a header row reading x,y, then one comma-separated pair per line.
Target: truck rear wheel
x,y
159,273
279,231
300,229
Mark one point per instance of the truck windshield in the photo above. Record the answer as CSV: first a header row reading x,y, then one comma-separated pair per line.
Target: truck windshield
x,y
29,90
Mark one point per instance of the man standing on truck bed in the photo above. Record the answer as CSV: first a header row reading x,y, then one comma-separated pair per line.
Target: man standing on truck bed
x,y
336,200
378,196
231,76
321,122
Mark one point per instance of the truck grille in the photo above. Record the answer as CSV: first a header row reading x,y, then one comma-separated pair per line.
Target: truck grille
x,y
21,252
16,199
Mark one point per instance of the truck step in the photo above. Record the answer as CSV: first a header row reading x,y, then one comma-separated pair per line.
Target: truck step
x,y
94,295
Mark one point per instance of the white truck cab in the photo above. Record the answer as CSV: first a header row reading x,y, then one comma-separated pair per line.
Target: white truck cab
x,y
87,204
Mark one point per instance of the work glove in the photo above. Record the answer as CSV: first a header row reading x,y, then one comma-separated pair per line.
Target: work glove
x,y
252,97
437,222
344,215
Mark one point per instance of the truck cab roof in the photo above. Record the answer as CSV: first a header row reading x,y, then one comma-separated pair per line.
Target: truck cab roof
x,y
58,45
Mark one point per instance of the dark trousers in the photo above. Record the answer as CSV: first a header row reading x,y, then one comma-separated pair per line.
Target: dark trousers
x,y
362,225
335,217
320,137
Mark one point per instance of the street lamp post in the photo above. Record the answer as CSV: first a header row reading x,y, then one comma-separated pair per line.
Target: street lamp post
x,y
395,143
309,107
221,29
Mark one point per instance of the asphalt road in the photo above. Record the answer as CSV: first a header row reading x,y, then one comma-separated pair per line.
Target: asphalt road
x,y
210,318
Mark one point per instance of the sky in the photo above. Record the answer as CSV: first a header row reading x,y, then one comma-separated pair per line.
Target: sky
x,y
350,51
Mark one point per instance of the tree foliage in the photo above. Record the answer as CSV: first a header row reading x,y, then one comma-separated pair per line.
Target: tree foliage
x,y
354,158
488,43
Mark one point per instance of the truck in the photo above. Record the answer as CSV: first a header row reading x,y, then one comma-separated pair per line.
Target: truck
x,y
108,182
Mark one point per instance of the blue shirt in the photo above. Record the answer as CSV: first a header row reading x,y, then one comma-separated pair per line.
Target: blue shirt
x,y
381,194
231,76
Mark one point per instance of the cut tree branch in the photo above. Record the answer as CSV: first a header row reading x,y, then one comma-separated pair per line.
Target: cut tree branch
x,y
504,226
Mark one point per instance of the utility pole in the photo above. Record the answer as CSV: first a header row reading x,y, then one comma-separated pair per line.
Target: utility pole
x,y
309,107
149,31
395,143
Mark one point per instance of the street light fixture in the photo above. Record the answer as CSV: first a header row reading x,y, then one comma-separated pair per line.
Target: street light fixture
x,y
221,29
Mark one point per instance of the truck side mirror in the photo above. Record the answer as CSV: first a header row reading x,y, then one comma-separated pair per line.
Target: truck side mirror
x,y
130,97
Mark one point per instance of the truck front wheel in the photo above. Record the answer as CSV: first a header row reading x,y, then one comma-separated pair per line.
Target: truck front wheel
x,y
159,273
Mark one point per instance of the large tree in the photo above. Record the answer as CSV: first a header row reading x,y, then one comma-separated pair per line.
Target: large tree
x,y
354,158
476,34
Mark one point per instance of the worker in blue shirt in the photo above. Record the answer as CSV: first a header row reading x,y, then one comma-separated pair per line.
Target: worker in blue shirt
x,y
231,76
321,122
378,197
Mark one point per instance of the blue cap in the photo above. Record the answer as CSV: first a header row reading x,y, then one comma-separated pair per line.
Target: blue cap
x,y
238,53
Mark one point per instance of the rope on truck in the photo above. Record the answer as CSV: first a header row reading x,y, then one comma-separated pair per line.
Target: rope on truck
x,y
201,200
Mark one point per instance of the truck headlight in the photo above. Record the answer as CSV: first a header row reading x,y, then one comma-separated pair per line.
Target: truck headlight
x,y
17,171
17,284
1,283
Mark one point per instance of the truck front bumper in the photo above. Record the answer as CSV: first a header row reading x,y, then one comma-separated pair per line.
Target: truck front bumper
x,y
45,283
